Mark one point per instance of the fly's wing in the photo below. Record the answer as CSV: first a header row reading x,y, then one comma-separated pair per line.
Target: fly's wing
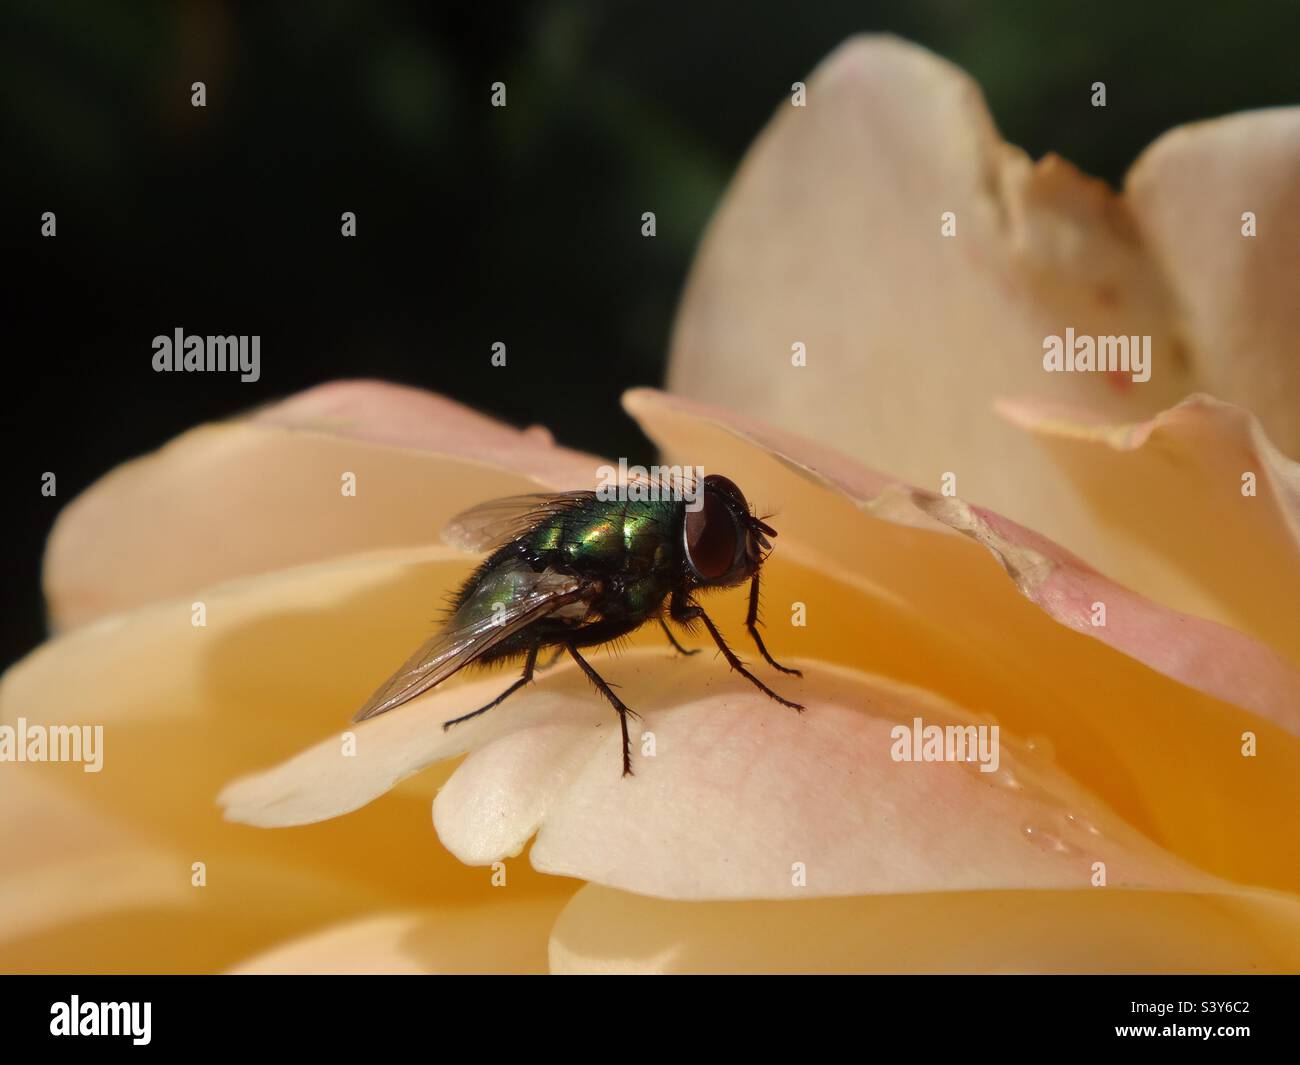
x,y
499,521
507,598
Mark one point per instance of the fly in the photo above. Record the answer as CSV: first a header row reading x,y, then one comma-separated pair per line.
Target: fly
x,y
573,571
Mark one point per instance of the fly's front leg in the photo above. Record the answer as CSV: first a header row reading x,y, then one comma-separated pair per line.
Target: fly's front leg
x,y
684,612
751,623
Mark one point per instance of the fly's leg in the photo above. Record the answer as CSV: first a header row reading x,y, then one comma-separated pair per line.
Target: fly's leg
x,y
751,623
673,639
529,663
623,711
684,612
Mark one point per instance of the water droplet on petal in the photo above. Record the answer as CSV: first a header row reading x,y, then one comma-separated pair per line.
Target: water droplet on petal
x,y
1002,777
1081,824
1045,840
1041,747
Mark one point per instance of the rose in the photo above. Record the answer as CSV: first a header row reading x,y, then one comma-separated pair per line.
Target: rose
x,y
752,838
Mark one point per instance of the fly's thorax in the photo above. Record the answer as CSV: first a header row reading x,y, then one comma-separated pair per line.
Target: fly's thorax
x,y
593,538
651,535
548,536
616,536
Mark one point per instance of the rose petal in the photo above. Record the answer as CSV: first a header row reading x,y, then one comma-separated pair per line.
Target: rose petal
x,y
319,784
1166,756
250,496
1235,295
1211,657
830,237
981,644
508,936
384,413
1099,930
66,861
1205,655
1172,487
282,656
135,922
734,776
84,891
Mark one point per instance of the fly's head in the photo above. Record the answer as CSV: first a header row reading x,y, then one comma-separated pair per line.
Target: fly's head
x,y
725,544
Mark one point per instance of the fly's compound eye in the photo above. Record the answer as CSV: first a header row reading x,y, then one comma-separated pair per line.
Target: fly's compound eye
x,y
727,487
712,537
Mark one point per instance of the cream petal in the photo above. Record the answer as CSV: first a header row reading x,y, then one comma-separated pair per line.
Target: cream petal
x,y
246,907
505,937
830,236
310,641
938,611
384,413
1208,656
1099,930
283,656
84,891
66,861
1173,487
748,785
1237,309
1226,663
761,791
319,784
249,496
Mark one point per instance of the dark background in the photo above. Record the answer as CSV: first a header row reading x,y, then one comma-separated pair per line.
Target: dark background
x,y
475,224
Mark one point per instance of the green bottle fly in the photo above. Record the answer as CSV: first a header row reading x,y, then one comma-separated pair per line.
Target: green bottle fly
x,y
574,570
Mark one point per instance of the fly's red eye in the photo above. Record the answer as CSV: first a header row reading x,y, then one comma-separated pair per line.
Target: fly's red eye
x,y
728,488
712,538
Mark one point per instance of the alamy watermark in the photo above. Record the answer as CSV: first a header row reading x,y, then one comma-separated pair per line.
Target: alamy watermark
x,y
211,354
74,1017
1108,354
53,743
920,742
637,484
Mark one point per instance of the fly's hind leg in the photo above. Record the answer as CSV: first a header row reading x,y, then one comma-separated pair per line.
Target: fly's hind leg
x,y
529,662
603,687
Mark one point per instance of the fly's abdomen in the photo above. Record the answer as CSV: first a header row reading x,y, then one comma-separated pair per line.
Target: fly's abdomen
x,y
491,587
503,582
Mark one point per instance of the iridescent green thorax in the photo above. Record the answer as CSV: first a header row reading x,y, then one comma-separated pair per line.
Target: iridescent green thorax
x,y
632,537
632,548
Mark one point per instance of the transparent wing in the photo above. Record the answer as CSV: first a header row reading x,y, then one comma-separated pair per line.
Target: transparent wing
x,y
499,521
506,599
